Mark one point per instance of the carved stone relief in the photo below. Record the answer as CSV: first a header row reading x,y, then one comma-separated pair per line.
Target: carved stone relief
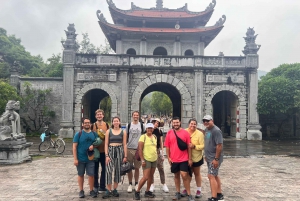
x,y
96,77
234,78
213,61
109,60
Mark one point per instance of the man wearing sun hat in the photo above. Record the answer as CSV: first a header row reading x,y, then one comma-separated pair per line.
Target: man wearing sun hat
x,y
213,156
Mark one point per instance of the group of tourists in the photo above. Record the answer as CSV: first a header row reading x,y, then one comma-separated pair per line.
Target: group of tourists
x,y
140,145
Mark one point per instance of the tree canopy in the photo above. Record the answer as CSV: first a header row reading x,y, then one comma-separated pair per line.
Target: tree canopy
x,y
278,91
7,92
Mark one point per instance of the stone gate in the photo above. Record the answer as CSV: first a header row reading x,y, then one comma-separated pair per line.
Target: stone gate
x,y
159,50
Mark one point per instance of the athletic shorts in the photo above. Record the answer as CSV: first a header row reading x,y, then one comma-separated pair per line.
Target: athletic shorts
x,y
198,164
211,170
149,165
87,167
132,160
181,166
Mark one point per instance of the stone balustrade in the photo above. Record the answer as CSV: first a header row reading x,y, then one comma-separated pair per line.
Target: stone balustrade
x,y
167,61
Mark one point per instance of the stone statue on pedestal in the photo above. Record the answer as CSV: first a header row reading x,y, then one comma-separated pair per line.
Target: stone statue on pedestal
x,y
10,127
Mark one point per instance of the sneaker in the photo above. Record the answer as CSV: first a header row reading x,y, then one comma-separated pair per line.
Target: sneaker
x,y
129,189
184,193
81,194
93,194
212,199
191,198
165,188
177,196
149,194
136,187
151,188
220,196
107,194
198,194
115,193
137,196
101,190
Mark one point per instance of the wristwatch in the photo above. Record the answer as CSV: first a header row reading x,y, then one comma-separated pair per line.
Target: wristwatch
x,y
143,161
217,159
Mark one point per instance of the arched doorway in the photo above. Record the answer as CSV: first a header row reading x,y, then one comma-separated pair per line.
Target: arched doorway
x,y
171,92
225,105
188,53
91,102
160,51
131,51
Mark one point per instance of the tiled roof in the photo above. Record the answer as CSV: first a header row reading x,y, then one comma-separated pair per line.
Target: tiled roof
x,y
163,14
162,30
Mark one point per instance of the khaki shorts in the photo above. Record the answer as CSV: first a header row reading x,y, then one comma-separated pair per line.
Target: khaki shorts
x,y
132,160
149,165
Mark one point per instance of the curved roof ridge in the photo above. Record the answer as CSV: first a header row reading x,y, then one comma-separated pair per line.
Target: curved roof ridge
x,y
210,7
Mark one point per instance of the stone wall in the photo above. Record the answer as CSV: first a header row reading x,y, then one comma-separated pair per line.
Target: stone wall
x,y
289,129
56,84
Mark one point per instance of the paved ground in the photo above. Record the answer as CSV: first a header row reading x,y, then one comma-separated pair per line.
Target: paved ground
x,y
262,170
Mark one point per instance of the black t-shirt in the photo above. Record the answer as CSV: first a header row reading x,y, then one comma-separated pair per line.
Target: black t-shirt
x,y
158,134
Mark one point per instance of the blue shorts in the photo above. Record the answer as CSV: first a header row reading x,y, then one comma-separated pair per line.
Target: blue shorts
x,y
87,167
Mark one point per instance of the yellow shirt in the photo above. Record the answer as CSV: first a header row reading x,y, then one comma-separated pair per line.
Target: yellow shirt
x,y
149,150
197,139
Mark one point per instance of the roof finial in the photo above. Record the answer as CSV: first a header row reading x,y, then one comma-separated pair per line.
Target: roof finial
x,y
159,4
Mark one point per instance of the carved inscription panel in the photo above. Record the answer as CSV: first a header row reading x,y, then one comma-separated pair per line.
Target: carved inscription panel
x,y
97,77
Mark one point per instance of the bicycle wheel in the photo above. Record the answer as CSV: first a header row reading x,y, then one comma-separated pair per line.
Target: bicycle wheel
x,y
60,146
44,146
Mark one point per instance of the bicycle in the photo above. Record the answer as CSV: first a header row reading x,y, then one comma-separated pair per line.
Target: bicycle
x,y
47,142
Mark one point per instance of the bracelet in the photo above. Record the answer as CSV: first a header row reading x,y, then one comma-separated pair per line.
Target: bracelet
x,y
106,155
217,159
125,156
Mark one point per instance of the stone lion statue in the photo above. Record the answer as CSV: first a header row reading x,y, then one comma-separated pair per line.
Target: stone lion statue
x,y
10,126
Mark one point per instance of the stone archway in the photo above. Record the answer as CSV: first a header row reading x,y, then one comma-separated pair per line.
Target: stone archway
x,y
241,106
78,101
187,109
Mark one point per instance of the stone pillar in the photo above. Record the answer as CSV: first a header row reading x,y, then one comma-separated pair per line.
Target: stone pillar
x,y
253,132
69,58
199,96
177,48
124,98
119,47
201,47
143,47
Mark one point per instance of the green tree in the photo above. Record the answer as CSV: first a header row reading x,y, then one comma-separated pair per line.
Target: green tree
x,y
146,104
278,92
105,105
7,92
35,108
86,47
161,103
13,51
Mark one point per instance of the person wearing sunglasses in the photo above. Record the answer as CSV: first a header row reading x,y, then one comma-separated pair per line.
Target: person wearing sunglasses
x,y
213,151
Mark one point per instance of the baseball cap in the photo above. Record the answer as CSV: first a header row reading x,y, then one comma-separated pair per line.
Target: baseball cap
x,y
149,125
90,154
207,117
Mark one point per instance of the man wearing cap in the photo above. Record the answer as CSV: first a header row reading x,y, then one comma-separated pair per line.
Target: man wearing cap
x,y
213,156
160,159
82,141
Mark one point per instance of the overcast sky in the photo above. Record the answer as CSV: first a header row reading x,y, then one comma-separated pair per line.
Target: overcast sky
x,y
41,23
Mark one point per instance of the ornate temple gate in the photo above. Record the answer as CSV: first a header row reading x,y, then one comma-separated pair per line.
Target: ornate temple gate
x,y
166,54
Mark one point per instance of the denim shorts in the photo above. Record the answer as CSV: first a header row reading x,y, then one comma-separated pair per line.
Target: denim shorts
x,y
87,167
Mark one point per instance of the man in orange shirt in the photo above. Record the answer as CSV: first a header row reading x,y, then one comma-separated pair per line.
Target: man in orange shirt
x,y
100,127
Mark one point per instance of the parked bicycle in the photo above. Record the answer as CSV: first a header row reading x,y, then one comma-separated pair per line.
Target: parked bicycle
x,y
47,142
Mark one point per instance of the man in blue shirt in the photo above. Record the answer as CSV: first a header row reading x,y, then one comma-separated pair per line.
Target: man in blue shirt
x,y
83,141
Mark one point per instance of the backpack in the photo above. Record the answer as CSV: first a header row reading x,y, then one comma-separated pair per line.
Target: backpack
x,y
128,128
96,153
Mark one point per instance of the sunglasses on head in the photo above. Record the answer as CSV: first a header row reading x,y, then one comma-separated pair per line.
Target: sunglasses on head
x,y
205,121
